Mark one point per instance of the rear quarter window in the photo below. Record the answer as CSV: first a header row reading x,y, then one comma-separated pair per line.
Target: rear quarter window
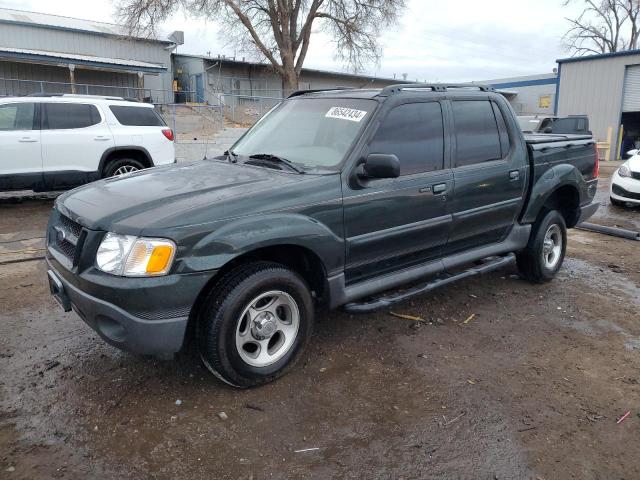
x,y
66,116
137,116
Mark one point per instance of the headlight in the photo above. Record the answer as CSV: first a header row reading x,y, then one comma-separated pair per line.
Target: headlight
x,y
624,171
131,256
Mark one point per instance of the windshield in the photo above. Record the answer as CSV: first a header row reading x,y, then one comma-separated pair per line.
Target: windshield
x,y
311,132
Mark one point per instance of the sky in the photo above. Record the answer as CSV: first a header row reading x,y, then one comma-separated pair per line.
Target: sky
x,y
434,41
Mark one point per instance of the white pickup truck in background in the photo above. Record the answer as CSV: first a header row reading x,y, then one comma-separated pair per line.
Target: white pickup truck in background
x,y
59,142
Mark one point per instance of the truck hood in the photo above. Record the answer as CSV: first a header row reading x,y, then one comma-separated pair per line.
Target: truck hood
x,y
173,196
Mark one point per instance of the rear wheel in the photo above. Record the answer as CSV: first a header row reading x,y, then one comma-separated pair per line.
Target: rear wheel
x,y
255,323
542,258
122,166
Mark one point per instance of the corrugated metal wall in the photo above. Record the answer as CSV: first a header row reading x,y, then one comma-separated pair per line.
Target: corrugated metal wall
x,y
58,40
631,101
595,87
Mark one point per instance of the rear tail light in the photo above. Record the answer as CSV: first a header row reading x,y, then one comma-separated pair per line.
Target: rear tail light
x,y
167,132
596,167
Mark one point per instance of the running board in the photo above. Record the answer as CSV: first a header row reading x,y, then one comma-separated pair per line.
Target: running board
x,y
489,265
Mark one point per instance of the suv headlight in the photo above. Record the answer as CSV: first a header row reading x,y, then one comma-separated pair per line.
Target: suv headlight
x,y
130,256
624,171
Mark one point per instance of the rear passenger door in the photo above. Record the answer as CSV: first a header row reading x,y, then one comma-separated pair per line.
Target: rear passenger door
x,y
489,172
395,223
74,138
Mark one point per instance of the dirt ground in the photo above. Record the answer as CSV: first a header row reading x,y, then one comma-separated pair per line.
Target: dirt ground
x,y
531,387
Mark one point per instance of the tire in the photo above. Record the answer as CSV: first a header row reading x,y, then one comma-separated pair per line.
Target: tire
x,y
237,348
542,258
616,203
122,166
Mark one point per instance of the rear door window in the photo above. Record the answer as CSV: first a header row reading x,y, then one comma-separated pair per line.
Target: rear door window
x,y
413,132
17,116
476,132
502,130
137,116
65,116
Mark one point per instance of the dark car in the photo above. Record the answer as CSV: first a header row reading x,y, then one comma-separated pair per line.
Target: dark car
x,y
333,199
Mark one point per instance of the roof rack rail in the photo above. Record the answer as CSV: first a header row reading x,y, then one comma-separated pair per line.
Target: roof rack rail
x,y
435,87
297,93
77,95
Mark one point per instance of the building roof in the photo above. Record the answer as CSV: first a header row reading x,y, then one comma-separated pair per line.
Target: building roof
x,y
599,56
87,60
45,20
304,70
523,81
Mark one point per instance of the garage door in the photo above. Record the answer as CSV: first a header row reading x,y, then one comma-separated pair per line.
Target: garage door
x,y
631,102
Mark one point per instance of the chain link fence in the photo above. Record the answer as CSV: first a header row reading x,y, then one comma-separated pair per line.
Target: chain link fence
x,y
192,121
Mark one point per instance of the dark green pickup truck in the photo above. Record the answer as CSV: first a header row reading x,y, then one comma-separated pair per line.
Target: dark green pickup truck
x,y
333,199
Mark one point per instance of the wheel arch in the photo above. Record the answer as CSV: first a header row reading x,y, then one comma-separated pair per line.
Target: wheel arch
x,y
557,189
116,153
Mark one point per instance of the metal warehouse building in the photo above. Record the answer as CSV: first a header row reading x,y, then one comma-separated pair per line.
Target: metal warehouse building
x,y
606,88
205,77
52,54
528,95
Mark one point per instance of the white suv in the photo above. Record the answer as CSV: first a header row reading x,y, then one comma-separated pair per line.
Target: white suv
x,y
58,142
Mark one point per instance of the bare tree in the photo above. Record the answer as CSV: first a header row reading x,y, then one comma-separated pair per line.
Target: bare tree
x,y
604,26
280,30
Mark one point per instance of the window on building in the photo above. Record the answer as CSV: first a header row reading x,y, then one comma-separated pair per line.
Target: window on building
x,y
414,133
476,131
65,116
137,116
17,116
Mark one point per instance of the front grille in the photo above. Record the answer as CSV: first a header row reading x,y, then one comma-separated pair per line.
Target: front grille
x,y
621,192
66,236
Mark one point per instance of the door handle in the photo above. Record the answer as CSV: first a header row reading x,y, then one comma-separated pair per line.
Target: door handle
x,y
101,138
514,175
439,188
28,140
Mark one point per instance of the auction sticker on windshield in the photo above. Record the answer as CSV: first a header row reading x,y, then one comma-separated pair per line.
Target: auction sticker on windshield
x,y
344,113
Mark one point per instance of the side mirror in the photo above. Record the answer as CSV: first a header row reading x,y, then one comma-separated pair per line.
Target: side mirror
x,y
633,152
547,130
380,165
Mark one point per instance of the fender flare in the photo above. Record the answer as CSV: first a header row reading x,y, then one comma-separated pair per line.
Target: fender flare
x,y
246,234
553,179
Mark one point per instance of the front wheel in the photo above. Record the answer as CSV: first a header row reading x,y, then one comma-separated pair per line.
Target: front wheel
x,y
254,324
542,258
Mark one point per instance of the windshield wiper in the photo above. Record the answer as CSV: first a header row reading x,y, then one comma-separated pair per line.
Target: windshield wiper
x,y
274,158
231,156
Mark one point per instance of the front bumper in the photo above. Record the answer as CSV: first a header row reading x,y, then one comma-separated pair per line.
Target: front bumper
x,y
625,189
162,332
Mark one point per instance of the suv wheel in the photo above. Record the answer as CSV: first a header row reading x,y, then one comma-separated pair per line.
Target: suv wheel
x,y
122,166
254,324
542,258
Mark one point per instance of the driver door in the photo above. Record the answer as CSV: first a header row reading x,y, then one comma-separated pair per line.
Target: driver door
x,y
391,224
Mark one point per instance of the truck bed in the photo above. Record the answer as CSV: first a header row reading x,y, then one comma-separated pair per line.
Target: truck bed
x,y
538,138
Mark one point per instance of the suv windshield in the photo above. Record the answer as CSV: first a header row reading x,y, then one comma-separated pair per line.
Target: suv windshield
x,y
311,132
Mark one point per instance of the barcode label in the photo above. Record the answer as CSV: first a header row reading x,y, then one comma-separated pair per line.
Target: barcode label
x,y
343,113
